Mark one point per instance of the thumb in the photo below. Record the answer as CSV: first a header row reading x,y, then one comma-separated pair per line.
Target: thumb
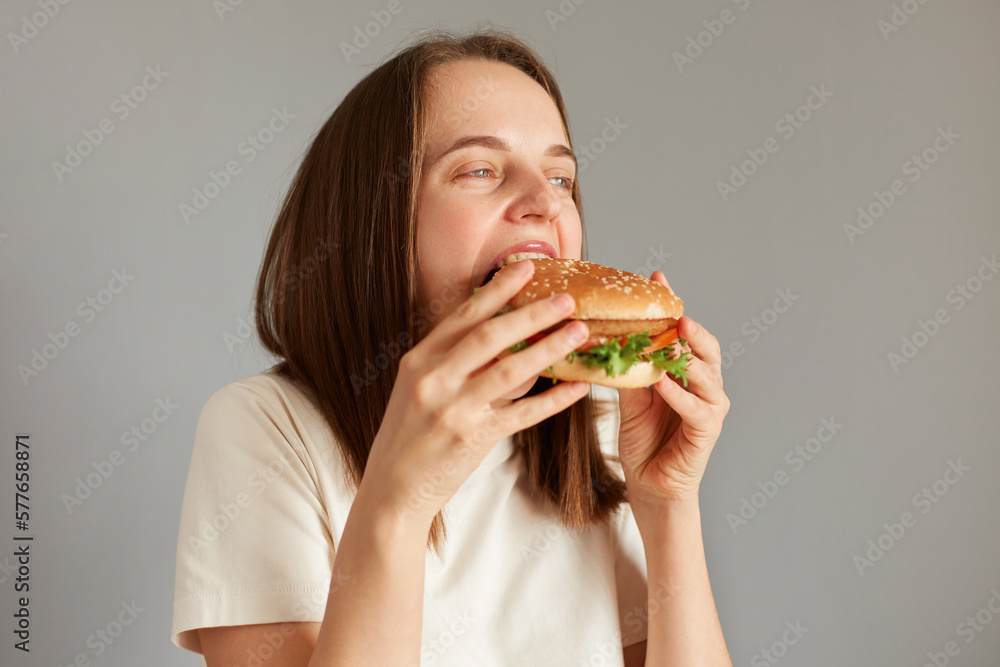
x,y
660,278
632,402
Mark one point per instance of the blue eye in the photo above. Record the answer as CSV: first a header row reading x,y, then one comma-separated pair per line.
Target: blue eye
x,y
566,182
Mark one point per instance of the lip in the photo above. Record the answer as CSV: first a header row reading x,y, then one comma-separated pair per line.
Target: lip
x,y
524,246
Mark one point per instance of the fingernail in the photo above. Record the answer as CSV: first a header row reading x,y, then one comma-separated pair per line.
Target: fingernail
x,y
576,332
561,302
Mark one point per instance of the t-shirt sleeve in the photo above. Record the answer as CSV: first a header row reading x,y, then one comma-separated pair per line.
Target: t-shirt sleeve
x,y
630,558
254,544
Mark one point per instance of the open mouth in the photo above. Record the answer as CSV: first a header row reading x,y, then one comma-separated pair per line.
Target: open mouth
x,y
515,257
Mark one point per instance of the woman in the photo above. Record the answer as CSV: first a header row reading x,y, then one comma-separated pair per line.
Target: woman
x,y
389,494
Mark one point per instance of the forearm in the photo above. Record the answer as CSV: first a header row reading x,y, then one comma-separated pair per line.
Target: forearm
x,y
374,611
684,626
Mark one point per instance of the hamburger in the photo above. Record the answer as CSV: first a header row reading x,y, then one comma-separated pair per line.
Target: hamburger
x,y
632,322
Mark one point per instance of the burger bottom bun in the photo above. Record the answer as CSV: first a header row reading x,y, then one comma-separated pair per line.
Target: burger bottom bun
x,y
640,374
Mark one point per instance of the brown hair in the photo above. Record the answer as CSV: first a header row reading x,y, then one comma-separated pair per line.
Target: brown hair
x,y
328,298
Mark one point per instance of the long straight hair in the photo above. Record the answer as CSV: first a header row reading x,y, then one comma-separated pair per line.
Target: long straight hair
x,y
337,297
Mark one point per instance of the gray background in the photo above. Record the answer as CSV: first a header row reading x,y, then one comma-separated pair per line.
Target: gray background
x,y
654,188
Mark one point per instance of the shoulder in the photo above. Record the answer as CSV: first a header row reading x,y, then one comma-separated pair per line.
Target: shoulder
x,y
264,399
260,418
262,390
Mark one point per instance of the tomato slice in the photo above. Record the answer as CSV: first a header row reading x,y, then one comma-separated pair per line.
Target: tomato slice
x,y
661,341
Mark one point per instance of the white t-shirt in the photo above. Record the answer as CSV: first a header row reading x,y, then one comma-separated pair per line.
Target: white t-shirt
x,y
264,510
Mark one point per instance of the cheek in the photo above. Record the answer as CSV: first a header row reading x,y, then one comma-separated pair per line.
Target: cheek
x,y
440,306
571,238
439,224
446,255
443,257
449,234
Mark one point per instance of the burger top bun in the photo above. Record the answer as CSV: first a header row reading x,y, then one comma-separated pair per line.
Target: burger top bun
x,y
600,292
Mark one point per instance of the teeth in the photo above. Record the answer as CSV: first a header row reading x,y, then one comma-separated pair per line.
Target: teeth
x,y
517,257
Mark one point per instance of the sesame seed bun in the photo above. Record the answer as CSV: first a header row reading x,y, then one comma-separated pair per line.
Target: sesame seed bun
x,y
600,292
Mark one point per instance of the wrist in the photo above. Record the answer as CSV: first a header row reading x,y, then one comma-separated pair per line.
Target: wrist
x,y
388,522
656,501
657,517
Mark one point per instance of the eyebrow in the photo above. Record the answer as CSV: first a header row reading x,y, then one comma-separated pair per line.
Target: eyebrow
x,y
498,144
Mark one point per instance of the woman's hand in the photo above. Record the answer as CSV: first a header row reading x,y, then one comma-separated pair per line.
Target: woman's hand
x,y
667,432
441,419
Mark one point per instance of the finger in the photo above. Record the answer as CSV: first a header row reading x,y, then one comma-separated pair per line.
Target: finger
x,y
704,382
525,413
482,305
688,406
703,344
492,337
515,369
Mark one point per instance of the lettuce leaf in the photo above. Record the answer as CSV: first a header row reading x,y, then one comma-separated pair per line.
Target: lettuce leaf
x,y
662,359
616,358
612,356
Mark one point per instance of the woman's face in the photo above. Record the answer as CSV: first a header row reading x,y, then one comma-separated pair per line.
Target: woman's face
x,y
497,179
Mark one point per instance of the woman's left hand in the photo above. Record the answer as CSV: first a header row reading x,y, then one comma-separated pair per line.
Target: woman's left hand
x,y
668,431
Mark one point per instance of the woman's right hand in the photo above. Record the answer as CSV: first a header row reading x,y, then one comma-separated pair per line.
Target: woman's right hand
x,y
439,423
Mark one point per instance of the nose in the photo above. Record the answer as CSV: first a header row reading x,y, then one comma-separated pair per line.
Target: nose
x,y
537,200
